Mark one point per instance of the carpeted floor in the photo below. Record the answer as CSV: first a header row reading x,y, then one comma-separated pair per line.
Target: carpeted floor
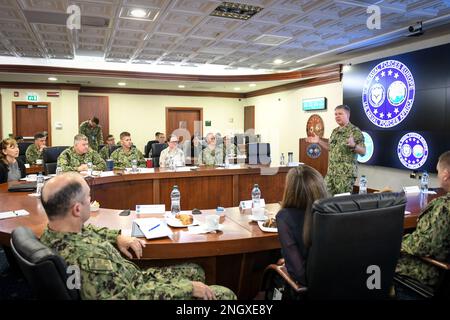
x,y
12,285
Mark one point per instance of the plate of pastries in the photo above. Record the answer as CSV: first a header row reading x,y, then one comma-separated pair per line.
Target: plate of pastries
x,y
268,225
182,220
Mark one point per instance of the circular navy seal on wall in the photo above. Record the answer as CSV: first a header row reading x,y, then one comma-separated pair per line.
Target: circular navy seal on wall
x,y
412,150
368,142
313,150
388,93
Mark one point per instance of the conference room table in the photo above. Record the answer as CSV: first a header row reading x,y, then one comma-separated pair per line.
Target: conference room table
x,y
234,257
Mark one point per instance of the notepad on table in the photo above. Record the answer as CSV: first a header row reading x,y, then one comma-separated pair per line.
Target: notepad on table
x,y
13,214
150,228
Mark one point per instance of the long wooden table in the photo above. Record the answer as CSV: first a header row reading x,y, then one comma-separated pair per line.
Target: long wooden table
x,y
234,257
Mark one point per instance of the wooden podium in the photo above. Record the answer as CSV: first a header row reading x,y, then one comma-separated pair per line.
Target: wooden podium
x,y
320,163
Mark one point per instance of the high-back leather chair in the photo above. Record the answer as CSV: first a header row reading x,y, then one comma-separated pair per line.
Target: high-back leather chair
x,y
355,245
258,153
50,158
148,148
23,146
156,152
113,148
45,271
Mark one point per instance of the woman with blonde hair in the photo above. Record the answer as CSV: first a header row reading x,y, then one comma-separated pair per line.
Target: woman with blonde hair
x,y
304,185
11,167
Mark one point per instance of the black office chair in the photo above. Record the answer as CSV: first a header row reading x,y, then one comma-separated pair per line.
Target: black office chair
x,y
156,152
113,148
23,146
257,153
355,245
44,270
50,158
148,148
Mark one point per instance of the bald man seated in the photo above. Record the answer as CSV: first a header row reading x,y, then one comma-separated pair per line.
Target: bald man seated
x,y
105,274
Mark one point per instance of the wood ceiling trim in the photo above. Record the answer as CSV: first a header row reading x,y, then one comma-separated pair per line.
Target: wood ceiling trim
x,y
166,76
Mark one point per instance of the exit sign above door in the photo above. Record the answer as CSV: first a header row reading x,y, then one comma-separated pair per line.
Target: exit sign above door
x,y
31,96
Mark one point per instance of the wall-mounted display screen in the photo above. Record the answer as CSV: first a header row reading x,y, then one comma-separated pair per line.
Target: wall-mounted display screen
x,y
403,103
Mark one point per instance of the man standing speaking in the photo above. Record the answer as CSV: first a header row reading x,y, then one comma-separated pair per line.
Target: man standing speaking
x,y
346,142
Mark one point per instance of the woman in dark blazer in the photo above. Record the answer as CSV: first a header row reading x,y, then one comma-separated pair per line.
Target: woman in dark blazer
x,y
11,167
303,186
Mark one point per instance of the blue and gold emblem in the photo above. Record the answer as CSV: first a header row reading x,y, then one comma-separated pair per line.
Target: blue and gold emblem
x,y
388,93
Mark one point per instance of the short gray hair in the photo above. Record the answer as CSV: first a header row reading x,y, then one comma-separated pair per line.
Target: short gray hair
x,y
79,137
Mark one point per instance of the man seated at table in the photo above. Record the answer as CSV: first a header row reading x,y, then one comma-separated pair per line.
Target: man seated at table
x,y
34,151
105,274
110,142
172,153
123,156
77,157
211,155
432,235
229,148
159,138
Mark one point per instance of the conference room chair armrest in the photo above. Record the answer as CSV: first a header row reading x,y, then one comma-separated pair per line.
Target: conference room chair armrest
x,y
437,263
282,271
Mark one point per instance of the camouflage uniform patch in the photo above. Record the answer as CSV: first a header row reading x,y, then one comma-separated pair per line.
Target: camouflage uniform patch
x,y
123,159
105,274
177,154
69,160
211,157
94,135
32,154
342,161
104,152
431,238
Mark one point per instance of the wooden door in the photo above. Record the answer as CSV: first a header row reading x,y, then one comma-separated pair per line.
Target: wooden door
x,y
30,118
180,119
249,118
95,106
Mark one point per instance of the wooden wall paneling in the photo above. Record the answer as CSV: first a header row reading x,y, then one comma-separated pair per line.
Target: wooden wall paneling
x,y
272,186
202,192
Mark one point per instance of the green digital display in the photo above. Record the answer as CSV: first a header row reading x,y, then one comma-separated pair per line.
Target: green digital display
x,y
314,104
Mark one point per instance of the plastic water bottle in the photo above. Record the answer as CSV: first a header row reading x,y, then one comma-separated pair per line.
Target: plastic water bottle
x,y
89,171
134,166
424,182
282,160
227,161
58,170
172,165
363,185
256,196
175,198
39,183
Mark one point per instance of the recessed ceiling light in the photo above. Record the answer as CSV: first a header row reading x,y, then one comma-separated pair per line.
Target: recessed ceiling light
x,y
181,86
252,85
277,61
138,13
237,89
122,83
53,79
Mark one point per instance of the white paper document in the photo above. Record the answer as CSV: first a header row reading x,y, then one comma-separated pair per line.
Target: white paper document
x,y
411,189
247,204
150,208
13,214
150,228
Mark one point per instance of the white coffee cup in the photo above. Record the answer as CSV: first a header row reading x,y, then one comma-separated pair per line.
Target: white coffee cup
x,y
38,161
212,222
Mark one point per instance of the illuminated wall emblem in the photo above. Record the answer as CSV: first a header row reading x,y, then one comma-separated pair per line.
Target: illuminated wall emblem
x,y
369,148
313,150
388,93
412,150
